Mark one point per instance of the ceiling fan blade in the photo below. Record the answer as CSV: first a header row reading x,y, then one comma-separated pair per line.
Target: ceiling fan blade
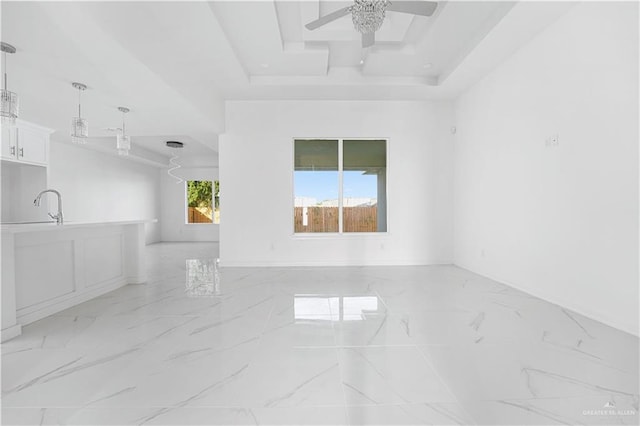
x,y
423,8
368,39
328,18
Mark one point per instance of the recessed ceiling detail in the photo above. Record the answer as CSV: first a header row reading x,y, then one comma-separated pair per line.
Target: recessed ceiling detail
x,y
179,77
275,33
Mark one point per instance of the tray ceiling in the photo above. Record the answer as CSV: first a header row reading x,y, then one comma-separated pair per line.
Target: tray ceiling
x,y
174,64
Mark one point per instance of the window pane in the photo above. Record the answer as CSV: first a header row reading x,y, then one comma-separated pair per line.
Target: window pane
x,y
316,185
364,186
199,201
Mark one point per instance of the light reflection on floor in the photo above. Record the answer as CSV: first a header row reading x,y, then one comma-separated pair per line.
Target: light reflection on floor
x,y
203,277
203,280
333,308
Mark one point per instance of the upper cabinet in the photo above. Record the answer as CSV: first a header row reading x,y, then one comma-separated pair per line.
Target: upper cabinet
x,y
26,143
9,148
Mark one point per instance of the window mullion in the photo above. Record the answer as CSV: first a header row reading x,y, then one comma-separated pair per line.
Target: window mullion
x,y
340,158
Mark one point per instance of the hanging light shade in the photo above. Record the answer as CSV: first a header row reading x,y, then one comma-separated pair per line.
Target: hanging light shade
x,y
123,142
9,101
79,125
367,15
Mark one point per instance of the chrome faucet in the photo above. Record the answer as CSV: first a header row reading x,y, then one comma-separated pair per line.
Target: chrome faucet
x,y
58,217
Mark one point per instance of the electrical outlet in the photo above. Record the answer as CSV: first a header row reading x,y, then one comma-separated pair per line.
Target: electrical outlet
x,y
552,141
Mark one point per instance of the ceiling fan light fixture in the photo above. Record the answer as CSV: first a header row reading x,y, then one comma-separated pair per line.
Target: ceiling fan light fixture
x,y
368,15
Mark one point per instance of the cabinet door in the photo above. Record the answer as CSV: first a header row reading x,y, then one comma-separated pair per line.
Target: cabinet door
x,y
32,145
8,142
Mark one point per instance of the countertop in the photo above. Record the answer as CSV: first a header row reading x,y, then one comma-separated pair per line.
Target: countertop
x,y
52,226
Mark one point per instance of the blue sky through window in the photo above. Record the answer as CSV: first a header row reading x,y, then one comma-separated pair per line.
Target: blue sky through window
x,y
323,185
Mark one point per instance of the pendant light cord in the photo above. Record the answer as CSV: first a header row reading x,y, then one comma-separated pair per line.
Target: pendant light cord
x,y
175,166
4,59
79,110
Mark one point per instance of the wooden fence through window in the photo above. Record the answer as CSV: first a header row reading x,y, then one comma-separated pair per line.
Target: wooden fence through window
x,y
199,215
325,219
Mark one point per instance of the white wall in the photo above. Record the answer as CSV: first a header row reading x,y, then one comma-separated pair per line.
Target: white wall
x,y
558,222
21,183
100,187
174,202
256,178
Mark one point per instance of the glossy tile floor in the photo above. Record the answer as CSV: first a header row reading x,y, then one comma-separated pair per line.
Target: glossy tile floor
x,y
371,345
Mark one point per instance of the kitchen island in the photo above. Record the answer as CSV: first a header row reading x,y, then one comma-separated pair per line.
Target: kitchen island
x,y
47,268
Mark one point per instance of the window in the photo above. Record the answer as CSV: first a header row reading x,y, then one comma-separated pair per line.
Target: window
x,y
203,201
340,185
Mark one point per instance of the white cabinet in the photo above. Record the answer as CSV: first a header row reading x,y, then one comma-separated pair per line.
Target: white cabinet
x,y
26,143
33,145
48,268
9,148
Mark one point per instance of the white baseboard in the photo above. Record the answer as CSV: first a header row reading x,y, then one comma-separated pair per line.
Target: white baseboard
x,y
280,264
137,279
568,304
11,332
30,314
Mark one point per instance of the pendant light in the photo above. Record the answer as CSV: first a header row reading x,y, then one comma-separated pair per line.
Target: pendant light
x,y
9,107
79,125
123,142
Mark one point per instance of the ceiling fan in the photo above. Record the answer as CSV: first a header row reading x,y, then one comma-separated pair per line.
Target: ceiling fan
x,y
367,15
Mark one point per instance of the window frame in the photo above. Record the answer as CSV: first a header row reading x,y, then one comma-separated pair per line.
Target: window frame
x,y
340,233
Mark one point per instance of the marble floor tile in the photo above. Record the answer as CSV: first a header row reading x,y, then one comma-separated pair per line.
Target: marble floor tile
x,y
204,344
524,371
71,416
298,377
57,378
175,416
389,375
177,377
300,416
372,330
460,327
285,331
48,333
435,413
547,411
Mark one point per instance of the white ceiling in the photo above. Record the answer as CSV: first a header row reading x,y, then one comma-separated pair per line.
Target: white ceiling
x,y
175,63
